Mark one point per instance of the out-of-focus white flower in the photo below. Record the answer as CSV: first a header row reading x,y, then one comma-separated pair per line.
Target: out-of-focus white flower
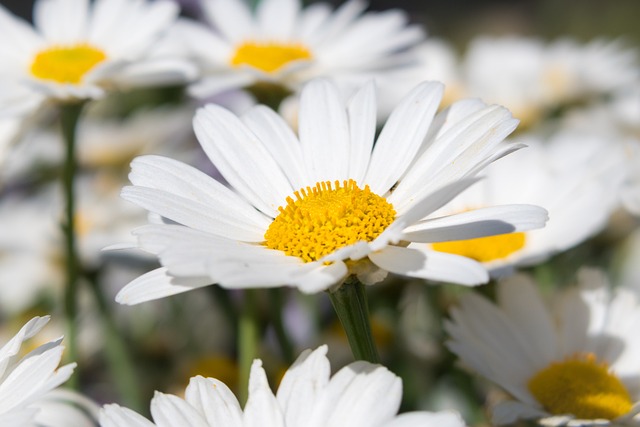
x,y
286,44
576,366
354,202
532,78
360,394
29,229
576,175
24,380
79,50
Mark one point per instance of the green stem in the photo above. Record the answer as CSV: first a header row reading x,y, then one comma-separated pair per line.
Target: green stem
x,y
70,114
350,304
247,341
120,363
276,309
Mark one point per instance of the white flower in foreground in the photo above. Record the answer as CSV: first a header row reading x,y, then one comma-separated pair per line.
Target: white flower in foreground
x,y
26,379
579,365
77,50
287,45
573,172
309,212
359,395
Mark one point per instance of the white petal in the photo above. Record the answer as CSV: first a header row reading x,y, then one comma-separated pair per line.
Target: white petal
x,y
203,43
116,416
262,408
457,153
128,29
360,394
178,178
171,411
324,132
215,401
302,384
283,144
242,158
478,223
277,18
415,261
521,301
362,129
231,17
193,214
157,284
402,136
309,277
61,21
154,72
434,201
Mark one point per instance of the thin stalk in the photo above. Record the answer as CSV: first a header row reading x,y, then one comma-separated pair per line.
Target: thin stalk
x,y
118,357
350,303
69,116
247,341
276,304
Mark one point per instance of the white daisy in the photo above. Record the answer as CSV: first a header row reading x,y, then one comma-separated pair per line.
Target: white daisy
x,y
310,211
287,45
26,379
577,366
571,173
77,50
360,394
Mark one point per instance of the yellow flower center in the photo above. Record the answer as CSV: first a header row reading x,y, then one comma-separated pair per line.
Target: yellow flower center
x,y
484,249
582,387
270,56
325,218
66,64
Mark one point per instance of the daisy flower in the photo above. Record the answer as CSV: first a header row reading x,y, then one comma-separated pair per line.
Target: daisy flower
x,y
360,394
24,380
576,365
78,50
309,211
573,172
287,45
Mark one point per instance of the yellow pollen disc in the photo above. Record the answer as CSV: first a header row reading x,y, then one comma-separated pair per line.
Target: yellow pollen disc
x,y
66,64
269,57
484,249
582,387
325,218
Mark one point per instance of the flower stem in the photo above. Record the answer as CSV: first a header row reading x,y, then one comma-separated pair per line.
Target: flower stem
x,y
276,304
69,116
350,304
116,352
247,341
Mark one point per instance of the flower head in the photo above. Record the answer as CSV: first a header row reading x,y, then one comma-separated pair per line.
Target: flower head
x,y
77,50
309,211
284,44
360,394
578,367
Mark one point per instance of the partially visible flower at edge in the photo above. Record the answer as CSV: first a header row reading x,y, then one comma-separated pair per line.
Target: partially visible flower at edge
x,y
360,394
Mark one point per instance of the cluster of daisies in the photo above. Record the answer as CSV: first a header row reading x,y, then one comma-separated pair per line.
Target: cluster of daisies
x,y
276,154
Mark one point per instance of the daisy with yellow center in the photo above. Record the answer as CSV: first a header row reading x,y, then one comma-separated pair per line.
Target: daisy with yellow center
x,y
578,366
285,44
78,49
311,210
565,183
